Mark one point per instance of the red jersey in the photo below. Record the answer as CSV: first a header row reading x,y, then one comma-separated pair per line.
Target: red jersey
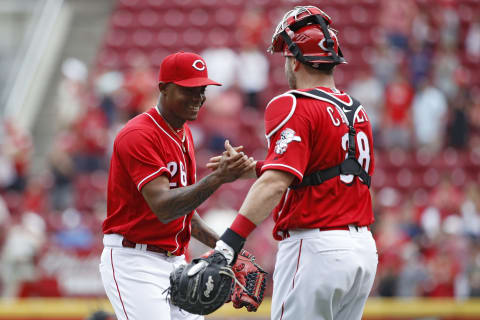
x,y
307,134
145,149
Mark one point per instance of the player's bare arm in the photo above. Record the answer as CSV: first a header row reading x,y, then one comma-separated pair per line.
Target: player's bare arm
x,y
202,232
170,204
265,194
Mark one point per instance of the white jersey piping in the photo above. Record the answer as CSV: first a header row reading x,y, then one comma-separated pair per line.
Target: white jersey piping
x,y
282,165
292,110
283,204
140,183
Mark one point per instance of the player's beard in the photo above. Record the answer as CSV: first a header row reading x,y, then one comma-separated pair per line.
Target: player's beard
x,y
291,78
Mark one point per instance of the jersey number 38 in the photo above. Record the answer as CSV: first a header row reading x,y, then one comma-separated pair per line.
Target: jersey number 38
x,y
364,153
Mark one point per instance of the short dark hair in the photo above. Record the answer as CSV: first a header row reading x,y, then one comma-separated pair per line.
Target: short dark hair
x,y
326,68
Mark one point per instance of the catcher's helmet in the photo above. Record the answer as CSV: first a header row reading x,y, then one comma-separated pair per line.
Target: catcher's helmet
x,y
305,33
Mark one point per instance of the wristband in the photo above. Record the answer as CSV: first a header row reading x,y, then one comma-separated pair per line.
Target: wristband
x,y
234,240
242,226
258,167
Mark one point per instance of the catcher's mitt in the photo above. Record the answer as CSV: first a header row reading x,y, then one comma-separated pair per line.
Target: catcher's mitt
x,y
252,280
202,286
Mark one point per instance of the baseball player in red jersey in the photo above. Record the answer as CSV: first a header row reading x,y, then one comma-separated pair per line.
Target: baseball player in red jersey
x,y
316,179
153,193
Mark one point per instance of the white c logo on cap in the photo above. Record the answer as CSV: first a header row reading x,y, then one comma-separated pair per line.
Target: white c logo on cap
x,y
202,65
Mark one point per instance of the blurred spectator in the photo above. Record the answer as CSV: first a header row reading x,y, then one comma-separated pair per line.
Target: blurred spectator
x,y
369,90
63,170
253,70
91,140
458,126
253,26
35,196
446,197
441,275
219,119
448,23
398,99
253,65
222,65
470,210
71,92
472,40
139,90
5,221
17,147
429,111
413,274
23,243
473,270
7,167
74,234
474,117
446,64
419,57
396,19
108,88
385,62
422,30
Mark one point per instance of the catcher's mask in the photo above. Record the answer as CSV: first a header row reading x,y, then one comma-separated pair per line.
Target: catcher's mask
x,y
305,33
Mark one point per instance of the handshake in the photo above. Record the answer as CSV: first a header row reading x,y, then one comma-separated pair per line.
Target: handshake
x,y
205,284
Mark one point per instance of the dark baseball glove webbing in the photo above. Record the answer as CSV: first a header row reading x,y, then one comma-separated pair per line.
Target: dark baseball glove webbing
x,y
202,286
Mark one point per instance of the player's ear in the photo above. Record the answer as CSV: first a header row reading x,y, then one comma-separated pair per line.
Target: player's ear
x,y
296,64
162,86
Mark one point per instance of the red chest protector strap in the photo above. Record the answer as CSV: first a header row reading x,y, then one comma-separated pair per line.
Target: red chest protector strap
x,y
349,165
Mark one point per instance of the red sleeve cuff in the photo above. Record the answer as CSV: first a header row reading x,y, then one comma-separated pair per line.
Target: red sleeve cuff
x,y
258,167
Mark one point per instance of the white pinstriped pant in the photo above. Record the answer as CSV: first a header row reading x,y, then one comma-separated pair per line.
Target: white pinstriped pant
x,y
323,275
136,280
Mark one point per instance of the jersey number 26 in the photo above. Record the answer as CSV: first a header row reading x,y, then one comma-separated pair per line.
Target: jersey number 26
x,y
173,168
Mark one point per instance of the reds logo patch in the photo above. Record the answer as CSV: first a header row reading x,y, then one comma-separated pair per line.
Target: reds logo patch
x,y
287,136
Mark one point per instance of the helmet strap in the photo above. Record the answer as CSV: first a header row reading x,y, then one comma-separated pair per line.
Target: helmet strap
x,y
328,39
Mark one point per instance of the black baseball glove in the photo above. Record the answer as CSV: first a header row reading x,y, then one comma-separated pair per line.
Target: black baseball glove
x,y
202,286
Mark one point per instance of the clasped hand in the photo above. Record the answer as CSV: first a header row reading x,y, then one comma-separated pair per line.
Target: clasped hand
x,y
232,164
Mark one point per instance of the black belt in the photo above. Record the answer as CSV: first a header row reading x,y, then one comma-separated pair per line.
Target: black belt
x,y
150,247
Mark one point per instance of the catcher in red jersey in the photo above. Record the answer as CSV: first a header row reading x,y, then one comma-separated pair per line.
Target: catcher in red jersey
x,y
316,179
153,193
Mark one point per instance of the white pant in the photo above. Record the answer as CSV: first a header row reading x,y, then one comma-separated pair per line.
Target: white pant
x,y
323,275
136,282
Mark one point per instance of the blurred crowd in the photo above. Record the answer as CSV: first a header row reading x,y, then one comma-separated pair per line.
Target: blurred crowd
x,y
413,65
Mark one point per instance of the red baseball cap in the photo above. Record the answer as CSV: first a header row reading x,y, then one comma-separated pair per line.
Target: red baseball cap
x,y
186,69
